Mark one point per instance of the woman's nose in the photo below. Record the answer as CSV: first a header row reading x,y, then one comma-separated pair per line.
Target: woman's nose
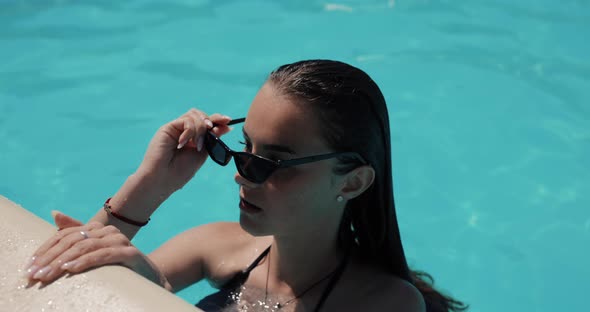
x,y
243,181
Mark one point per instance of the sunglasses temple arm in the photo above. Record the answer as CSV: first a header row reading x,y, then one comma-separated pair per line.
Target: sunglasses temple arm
x,y
232,122
235,121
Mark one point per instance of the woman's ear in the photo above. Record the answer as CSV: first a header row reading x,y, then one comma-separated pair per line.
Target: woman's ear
x,y
357,181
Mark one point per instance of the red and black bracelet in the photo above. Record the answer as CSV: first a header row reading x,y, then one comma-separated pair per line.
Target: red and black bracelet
x,y
110,211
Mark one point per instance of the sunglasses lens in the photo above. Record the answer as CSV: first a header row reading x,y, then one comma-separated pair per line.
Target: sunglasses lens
x,y
217,152
254,169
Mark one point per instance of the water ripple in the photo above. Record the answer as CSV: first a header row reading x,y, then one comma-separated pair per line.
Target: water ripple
x,y
188,71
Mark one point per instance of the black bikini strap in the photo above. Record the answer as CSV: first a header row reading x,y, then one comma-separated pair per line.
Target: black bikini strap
x,y
256,262
333,280
241,277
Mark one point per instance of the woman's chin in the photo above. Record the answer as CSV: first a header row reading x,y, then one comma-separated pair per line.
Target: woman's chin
x,y
252,227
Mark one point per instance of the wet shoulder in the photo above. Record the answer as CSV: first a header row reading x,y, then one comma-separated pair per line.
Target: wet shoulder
x,y
368,288
400,294
229,249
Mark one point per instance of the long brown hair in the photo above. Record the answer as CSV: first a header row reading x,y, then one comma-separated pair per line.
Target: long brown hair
x,y
354,117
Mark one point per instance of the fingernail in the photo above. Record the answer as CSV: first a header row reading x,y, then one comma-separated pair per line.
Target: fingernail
x,y
209,123
31,271
181,144
42,273
200,144
226,117
68,265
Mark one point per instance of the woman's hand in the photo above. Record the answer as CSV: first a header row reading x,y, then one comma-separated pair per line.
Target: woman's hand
x,y
77,247
177,151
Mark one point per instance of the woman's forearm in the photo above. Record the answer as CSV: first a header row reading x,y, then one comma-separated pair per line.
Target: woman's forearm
x,y
137,199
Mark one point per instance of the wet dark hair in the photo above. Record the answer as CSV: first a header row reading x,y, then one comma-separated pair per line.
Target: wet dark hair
x,y
353,117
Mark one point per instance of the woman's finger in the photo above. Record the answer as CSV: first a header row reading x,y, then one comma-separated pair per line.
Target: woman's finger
x,y
198,122
99,239
188,131
219,119
221,130
64,221
56,238
194,125
54,269
105,237
202,125
220,124
104,256
56,245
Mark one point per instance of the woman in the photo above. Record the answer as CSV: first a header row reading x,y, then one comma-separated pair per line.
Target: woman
x,y
317,226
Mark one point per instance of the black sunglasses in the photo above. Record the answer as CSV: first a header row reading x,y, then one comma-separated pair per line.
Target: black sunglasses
x,y
256,168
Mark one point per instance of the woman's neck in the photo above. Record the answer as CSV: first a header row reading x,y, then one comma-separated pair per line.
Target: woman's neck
x,y
296,262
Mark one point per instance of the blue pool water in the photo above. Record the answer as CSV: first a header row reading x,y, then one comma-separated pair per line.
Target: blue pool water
x,y
489,114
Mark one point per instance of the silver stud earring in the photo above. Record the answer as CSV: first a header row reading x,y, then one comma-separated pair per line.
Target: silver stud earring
x,y
339,198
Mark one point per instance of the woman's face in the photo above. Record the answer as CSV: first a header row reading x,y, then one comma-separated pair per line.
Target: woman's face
x,y
296,199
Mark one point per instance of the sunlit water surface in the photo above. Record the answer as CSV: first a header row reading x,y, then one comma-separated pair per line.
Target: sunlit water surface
x,y
488,103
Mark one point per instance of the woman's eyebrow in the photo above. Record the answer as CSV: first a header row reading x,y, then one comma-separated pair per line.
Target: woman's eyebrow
x,y
272,147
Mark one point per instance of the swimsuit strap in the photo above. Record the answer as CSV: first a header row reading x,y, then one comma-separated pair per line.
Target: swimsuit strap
x,y
241,277
257,261
333,280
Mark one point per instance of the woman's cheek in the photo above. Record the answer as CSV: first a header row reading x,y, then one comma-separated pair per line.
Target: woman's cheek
x,y
285,177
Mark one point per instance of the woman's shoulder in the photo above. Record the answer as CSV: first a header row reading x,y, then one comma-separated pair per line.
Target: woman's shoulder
x,y
218,230
227,248
380,289
219,239
401,294
227,235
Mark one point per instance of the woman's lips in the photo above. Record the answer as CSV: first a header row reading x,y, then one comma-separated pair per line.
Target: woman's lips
x,y
249,207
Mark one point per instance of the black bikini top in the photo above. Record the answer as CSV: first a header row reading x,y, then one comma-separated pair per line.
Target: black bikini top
x,y
223,297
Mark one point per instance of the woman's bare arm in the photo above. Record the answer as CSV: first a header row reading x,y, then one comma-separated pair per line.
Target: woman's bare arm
x,y
185,259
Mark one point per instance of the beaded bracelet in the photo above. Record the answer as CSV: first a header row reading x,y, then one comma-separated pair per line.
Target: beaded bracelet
x,y
109,210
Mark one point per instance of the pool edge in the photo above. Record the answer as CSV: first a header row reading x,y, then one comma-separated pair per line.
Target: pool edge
x,y
110,288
